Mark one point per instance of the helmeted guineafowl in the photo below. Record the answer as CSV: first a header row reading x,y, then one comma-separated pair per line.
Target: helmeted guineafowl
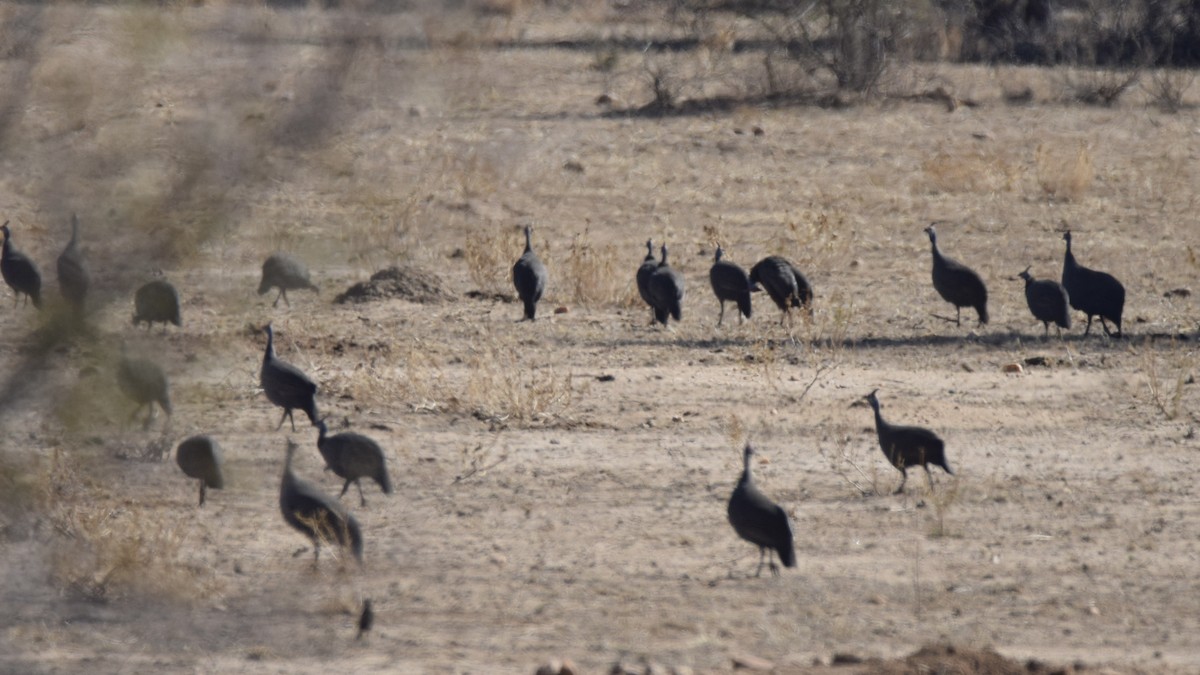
x,y
649,264
760,521
786,285
958,284
729,283
353,456
315,514
1091,292
529,277
19,272
156,301
1047,300
73,277
285,272
906,446
286,386
143,381
665,288
200,457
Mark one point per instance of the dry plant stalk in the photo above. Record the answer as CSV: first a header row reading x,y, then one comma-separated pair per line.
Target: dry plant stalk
x,y
596,274
1169,404
970,173
1064,171
489,260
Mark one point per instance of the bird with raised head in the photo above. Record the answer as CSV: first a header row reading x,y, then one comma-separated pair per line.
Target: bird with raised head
x,y
730,283
958,284
286,385
316,515
1092,292
529,277
760,521
906,446
19,272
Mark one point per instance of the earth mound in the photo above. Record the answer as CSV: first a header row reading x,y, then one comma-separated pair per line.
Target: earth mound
x,y
408,283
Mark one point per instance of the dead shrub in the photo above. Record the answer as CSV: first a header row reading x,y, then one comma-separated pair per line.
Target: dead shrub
x,y
594,271
1064,171
970,173
1168,87
1097,86
489,259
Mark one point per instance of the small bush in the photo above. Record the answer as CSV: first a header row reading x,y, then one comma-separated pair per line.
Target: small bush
x,y
1064,171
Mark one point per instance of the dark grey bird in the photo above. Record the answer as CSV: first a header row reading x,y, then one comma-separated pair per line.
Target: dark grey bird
x,y
1048,301
353,456
529,277
143,381
786,285
958,284
729,283
1091,292
316,515
200,457
906,446
74,280
286,386
760,521
285,272
366,619
156,301
649,264
665,288
19,272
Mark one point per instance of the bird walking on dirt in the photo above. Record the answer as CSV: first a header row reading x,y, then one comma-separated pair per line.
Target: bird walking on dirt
x,y
760,521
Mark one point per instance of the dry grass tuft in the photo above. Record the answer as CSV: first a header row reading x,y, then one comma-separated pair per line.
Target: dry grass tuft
x,y
502,390
1064,171
596,275
971,173
489,259
1169,403
106,550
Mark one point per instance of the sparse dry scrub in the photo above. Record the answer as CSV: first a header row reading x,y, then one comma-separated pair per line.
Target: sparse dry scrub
x,y
973,172
1168,88
1166,390
503,390
1097,86
105,550
489,258
1064,170
596,273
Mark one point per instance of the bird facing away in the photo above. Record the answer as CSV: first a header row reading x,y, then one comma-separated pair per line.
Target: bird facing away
x,y
73,277
665,288
786,285
958,284
529,277
908,446
365,620
1047,299
353,456
286,386
145,383
1091,292
156,301
760,521
200,457
285,272
315,514
729,282
19,272
649,264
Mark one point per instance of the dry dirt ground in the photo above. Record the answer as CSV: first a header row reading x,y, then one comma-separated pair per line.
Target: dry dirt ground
x,y
560,486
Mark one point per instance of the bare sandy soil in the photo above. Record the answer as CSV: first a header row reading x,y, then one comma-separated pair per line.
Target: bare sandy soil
x,y
560,486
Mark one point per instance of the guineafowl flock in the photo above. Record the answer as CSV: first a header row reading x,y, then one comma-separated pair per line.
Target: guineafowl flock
x,y
352,456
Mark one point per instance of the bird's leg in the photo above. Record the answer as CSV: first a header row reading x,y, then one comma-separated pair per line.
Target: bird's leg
x,y
721,316
345,486
362,500
201,492
929,475
903,480
291,418
762,552
771,563
957,315
283,293
281,419
1089,326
